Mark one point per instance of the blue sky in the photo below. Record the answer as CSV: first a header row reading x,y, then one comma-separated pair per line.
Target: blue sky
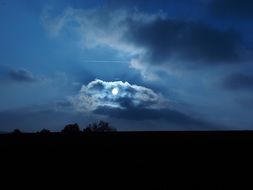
x,y
178,65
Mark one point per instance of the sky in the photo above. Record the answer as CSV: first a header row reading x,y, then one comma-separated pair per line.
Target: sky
x,y
164,65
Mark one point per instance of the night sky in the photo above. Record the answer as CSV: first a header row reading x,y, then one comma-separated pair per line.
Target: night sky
x,y
138,64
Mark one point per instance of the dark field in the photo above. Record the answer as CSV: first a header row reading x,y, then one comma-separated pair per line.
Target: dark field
x,y
143,160
187,149
128,142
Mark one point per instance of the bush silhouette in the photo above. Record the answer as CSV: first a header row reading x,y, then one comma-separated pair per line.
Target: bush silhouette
x,y
71,129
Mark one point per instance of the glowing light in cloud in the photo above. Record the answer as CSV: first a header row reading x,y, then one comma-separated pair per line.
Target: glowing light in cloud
x,y
115,91
116,94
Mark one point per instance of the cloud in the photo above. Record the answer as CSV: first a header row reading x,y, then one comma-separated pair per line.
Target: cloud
x,y
151,39
98,93
165,39
232,8
55,24
239,81
133,103
22,75
8,75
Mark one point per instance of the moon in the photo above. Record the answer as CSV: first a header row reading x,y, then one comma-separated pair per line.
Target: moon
x,y
115,91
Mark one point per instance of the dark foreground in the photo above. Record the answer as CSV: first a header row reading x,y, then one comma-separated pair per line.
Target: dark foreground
x,y
128,158
114,140
155,143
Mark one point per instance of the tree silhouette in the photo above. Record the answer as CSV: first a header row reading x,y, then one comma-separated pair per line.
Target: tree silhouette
x,y
91,127
71,129
100,127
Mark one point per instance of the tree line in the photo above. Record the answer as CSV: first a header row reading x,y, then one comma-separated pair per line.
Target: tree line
x,y
101,126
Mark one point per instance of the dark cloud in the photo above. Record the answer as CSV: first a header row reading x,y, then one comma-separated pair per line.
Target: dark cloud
x,y
22,75
239,81
197,42
232,8
142,114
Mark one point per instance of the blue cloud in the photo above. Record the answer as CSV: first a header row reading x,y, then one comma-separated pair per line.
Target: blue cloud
x,y
22,75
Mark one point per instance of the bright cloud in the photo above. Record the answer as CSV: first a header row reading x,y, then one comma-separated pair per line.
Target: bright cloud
x,y
98,93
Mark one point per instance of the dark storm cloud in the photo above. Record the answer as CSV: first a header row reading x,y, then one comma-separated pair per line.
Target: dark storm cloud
x,y
22,75
141,114
239,81
232,8
192,41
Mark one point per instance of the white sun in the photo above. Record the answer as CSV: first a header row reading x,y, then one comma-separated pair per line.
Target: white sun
x,y
115,91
